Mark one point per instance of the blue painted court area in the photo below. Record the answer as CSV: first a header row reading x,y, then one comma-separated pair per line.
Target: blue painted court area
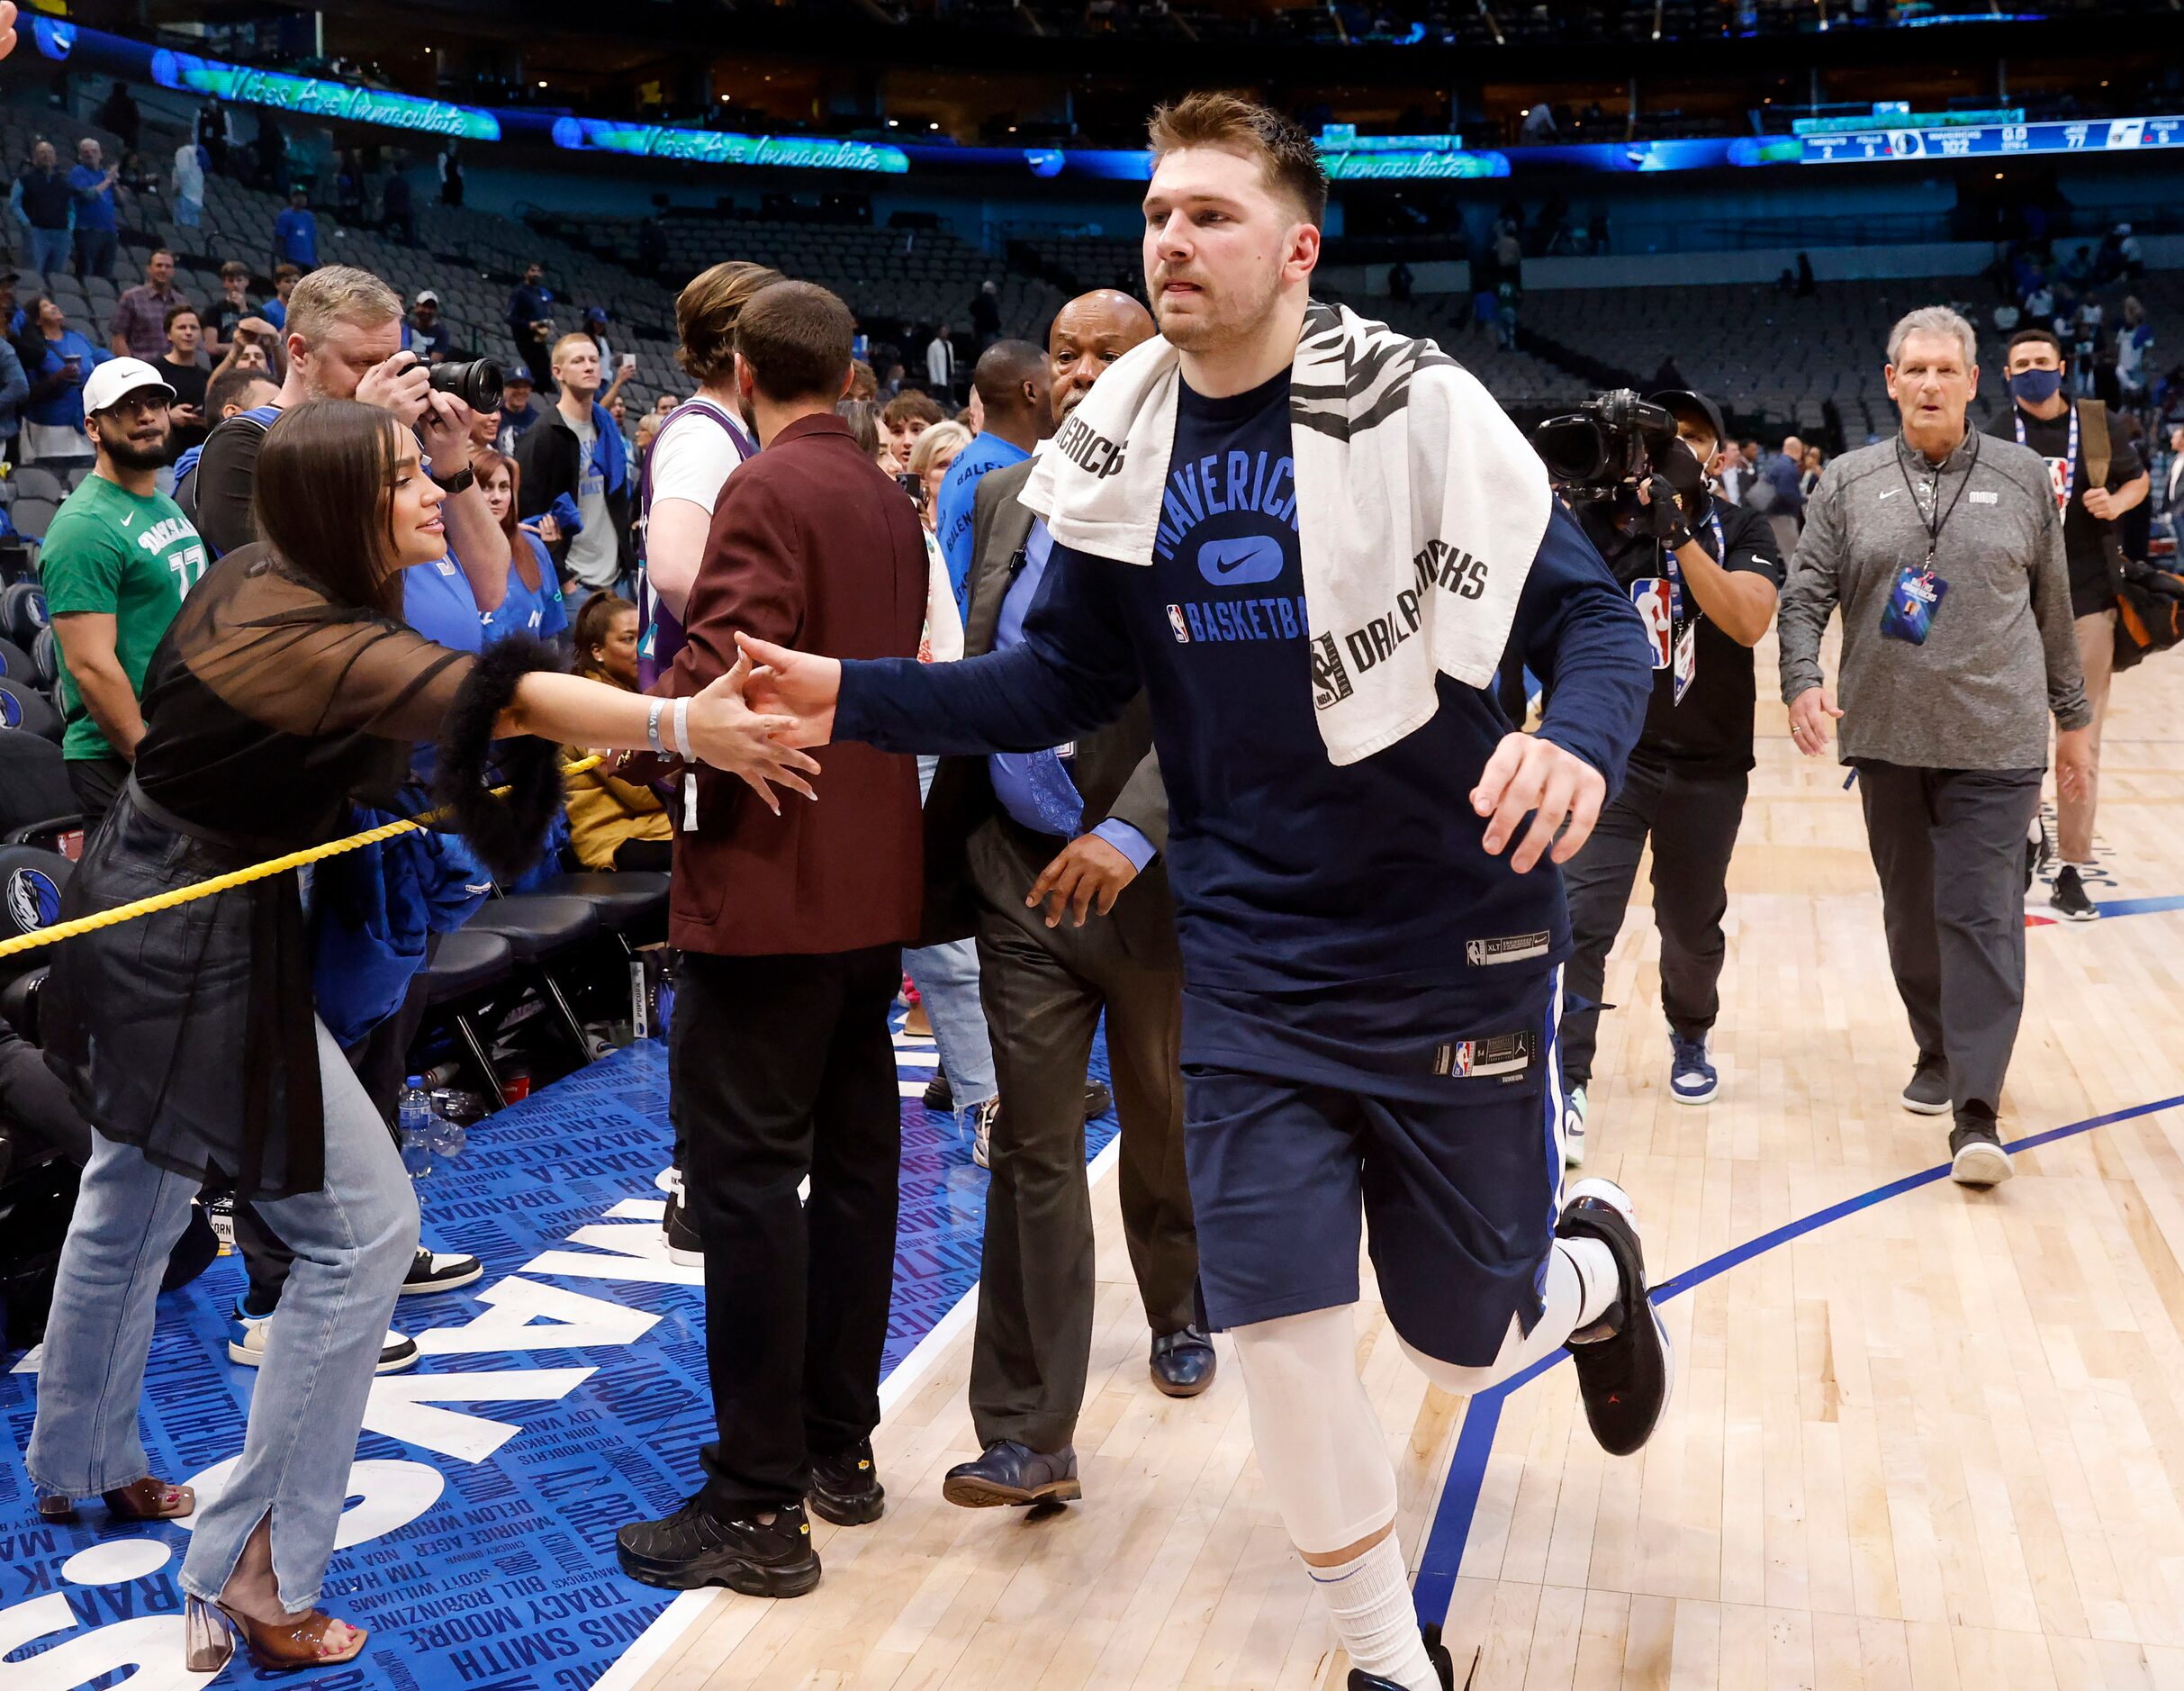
x,y
562,1395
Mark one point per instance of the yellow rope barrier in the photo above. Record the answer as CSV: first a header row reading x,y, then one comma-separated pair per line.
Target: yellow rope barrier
x,y
234,878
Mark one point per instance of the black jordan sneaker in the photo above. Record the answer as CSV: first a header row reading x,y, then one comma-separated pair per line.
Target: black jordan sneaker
x,y
1626,1367
845,1489
1436,1652
694,1547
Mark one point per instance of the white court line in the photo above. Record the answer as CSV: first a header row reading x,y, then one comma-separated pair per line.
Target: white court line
x,y
690,1607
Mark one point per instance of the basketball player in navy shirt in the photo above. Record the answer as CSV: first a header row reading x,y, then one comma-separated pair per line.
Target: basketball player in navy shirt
x,y
1371,950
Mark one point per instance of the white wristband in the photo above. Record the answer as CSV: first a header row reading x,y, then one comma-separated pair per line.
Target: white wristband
x,y
683,727
652,726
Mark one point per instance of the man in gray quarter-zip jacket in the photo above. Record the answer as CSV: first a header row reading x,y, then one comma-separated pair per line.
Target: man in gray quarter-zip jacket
x,y
1944,553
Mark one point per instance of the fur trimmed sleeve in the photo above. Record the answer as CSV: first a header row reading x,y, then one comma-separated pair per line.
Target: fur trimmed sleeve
x,y
506,831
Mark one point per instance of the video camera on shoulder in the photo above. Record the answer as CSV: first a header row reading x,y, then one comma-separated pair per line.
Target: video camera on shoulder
x,y
1600,454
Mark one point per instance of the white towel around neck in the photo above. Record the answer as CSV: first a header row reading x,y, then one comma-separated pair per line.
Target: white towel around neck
x,y
1420,506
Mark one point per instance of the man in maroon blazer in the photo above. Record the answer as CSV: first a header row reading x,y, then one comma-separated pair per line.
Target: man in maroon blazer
x,y
791,925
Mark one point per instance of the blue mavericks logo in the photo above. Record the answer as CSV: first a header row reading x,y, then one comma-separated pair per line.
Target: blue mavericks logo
x,y
11,711
1241,560
34,901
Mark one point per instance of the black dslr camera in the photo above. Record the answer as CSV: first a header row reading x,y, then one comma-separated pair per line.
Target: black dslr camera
x,y
476,382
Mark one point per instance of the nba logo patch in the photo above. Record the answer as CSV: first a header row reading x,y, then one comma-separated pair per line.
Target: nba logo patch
x,y
1176,621
1507,1055
1651,598
1330,681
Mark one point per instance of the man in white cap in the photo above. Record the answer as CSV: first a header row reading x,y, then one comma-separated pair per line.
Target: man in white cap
x,y
118,558
425,334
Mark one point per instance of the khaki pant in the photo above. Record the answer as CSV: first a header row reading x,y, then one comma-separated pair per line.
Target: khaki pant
x,y
2097,657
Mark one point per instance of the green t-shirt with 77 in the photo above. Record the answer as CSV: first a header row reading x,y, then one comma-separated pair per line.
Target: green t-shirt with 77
x,y
109,552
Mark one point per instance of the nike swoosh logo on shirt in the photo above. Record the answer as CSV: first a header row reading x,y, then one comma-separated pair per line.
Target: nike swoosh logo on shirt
x,y
1891,493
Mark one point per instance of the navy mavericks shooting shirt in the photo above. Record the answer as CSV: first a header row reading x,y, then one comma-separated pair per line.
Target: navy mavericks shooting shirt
x,y
1338,924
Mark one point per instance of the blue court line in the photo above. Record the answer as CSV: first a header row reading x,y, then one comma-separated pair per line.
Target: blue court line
x,y
1459,1498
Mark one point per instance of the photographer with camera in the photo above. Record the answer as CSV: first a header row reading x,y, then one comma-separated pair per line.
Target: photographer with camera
x,y
343,331
1704,574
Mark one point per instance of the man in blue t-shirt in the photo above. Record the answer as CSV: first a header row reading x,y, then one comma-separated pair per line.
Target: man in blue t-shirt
x,y
91,190
1370,948
1012,381
295,233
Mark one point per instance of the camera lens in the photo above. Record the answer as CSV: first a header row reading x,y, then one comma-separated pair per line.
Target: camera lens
x,y
476,383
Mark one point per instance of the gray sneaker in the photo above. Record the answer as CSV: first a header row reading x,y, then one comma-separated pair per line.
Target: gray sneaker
x,y
1927,1092
1976,1157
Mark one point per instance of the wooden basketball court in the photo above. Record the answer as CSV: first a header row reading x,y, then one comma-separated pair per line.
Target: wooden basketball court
x,y
1934,1440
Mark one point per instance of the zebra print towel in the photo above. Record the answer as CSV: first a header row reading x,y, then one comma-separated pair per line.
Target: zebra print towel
x,y
1421,509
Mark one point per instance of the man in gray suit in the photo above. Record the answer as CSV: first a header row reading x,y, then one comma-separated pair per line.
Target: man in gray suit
x,y
1051,860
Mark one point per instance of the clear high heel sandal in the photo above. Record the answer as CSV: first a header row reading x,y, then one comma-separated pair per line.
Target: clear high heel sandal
x,y
210,1631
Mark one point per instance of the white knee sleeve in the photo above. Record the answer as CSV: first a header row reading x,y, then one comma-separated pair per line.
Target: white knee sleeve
x,y
1319,1444
1581,1283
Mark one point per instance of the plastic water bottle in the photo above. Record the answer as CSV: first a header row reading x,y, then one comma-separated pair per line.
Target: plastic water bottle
x,y
415,1116
448,1135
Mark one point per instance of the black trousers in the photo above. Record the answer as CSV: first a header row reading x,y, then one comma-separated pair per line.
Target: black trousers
x,y
783,1068
1043,990
1692,816
1949,847
97,782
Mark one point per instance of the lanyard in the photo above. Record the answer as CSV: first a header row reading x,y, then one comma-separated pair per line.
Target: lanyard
x,y
2069,460
1940,519
1675,574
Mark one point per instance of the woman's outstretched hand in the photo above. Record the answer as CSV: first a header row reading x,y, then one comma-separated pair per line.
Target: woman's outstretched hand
x,y
727,734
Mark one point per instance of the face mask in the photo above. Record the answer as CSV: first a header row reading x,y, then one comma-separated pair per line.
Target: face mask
x,y
2036,387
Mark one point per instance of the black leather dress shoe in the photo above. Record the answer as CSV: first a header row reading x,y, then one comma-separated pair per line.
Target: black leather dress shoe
x,y
1014,1473
694,1547
1183,1362
1098,1099
846,1488
1436,1653
939,1094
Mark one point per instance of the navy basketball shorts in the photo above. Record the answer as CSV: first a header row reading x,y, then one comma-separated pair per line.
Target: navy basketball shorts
x,y
1458,1199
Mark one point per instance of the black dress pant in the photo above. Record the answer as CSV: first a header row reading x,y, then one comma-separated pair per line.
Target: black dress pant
x,y
1043,990
1949,846
783,1068
1693,814
97,782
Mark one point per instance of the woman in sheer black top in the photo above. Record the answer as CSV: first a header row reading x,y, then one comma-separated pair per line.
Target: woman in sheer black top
x,y
287,687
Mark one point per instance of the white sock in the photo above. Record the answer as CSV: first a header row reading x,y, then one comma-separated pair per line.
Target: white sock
x,y
1598,1278
1368,1598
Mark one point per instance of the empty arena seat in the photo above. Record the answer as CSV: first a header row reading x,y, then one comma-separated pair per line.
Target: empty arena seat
x,y
622,898
467,961
19,1002
32,883
22,612
536,926
35,790
24,709
18,664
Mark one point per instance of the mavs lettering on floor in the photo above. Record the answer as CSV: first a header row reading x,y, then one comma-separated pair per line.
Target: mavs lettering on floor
x,y
1226,486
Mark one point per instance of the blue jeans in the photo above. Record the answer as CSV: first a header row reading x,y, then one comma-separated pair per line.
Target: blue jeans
x,y
947,980
94,249
354,1240
46,250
